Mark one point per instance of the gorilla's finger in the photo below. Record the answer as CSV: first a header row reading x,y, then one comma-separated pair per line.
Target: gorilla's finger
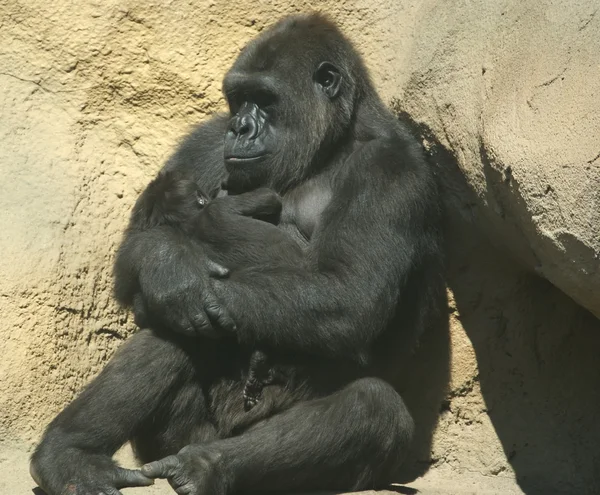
x,y
140,319
140,312
217,271
188,329
203,326
130,477
181,484
110,491
184,327
185,490
180,324
218,315
163,468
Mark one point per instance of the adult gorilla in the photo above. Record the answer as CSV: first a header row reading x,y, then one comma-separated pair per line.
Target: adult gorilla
x,y
359,196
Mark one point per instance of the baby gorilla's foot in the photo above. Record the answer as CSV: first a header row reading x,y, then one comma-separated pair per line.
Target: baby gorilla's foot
x,y
252,392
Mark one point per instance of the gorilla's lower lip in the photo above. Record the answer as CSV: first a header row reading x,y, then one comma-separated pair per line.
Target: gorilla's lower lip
x,y
244,159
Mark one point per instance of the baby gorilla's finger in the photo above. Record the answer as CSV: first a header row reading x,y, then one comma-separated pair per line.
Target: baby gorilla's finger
x,y
203,326
218,315
163,468
130,477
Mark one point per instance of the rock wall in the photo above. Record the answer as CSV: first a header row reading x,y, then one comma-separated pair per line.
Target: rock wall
x,y
94,95
511,90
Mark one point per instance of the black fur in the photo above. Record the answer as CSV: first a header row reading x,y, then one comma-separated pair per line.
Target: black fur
x,y
174,201
360,199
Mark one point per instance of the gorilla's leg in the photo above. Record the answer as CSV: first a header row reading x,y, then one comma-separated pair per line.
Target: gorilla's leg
x,y
351,440
146,388
181,419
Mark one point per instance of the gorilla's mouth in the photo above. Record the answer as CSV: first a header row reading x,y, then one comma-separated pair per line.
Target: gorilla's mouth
x,y
234,159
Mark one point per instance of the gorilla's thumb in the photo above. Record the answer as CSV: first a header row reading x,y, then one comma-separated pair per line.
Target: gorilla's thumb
x,y
216,270
131,477
162,468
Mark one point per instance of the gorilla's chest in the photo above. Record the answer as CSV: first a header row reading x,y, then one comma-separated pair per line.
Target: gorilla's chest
x,y
303,208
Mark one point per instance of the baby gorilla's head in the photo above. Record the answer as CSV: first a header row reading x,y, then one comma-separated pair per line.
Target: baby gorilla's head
x,y
170,200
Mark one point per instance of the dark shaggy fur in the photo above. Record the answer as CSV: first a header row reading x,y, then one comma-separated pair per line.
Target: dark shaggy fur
x,y
359,197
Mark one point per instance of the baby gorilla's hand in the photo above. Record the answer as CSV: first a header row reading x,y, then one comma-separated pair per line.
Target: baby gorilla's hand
x,y
262,204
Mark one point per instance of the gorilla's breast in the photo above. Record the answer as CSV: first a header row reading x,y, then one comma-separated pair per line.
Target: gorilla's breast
x,y
303,207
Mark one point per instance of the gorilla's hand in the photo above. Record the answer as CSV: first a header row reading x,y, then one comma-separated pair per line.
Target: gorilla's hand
x,y
178,294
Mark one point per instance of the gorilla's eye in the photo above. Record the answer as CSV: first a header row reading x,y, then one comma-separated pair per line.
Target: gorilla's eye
x,y
264,99
201,199
328,77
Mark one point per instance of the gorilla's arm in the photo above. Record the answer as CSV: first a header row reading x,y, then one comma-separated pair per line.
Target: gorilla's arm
x,y
371,238
159,267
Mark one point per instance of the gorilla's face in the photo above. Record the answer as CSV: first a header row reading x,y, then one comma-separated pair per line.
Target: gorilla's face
x,y
290,96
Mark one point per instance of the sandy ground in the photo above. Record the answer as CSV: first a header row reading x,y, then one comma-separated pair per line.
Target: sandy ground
x,y
15,479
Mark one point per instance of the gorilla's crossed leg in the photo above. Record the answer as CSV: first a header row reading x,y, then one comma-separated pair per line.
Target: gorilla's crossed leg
x,y
124,400
151,392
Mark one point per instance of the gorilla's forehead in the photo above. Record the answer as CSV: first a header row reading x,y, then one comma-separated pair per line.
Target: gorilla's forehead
x,y
297,43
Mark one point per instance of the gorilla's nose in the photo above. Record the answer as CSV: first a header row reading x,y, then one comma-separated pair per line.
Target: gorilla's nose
x,y
245,126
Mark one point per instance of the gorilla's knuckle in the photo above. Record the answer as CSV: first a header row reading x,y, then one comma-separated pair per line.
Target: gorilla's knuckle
x,y
180,480
214,309
202,324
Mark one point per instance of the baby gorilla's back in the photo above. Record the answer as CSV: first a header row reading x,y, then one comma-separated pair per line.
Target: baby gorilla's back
x,y
235,231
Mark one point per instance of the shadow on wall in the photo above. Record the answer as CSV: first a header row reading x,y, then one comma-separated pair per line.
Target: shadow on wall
x,y
422,381
538,352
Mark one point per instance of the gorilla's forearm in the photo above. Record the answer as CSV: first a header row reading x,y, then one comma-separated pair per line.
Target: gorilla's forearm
x,y
198,158
166,276
143,251
309,311
356,271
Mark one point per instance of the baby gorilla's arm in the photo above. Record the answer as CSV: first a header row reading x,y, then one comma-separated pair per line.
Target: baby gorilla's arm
x,y
262,204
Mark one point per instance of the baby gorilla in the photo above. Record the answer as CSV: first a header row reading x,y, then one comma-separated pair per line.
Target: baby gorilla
x,y
236,231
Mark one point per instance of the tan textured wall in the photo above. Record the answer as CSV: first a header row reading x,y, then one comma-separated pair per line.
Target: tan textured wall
x,y
512,89
95,94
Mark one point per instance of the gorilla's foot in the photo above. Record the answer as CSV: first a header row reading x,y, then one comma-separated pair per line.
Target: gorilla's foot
x,y
73,471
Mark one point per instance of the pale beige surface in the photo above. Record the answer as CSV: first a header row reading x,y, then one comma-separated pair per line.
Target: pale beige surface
x,y
95,94
15,480
513,90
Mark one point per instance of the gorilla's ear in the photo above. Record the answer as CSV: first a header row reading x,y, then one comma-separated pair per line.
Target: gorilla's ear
x,y
328,77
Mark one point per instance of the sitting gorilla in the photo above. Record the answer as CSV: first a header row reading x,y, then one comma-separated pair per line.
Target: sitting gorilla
x,y
359,196
231,237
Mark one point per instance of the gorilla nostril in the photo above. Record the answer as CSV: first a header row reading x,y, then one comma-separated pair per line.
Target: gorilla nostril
x,y
245,127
